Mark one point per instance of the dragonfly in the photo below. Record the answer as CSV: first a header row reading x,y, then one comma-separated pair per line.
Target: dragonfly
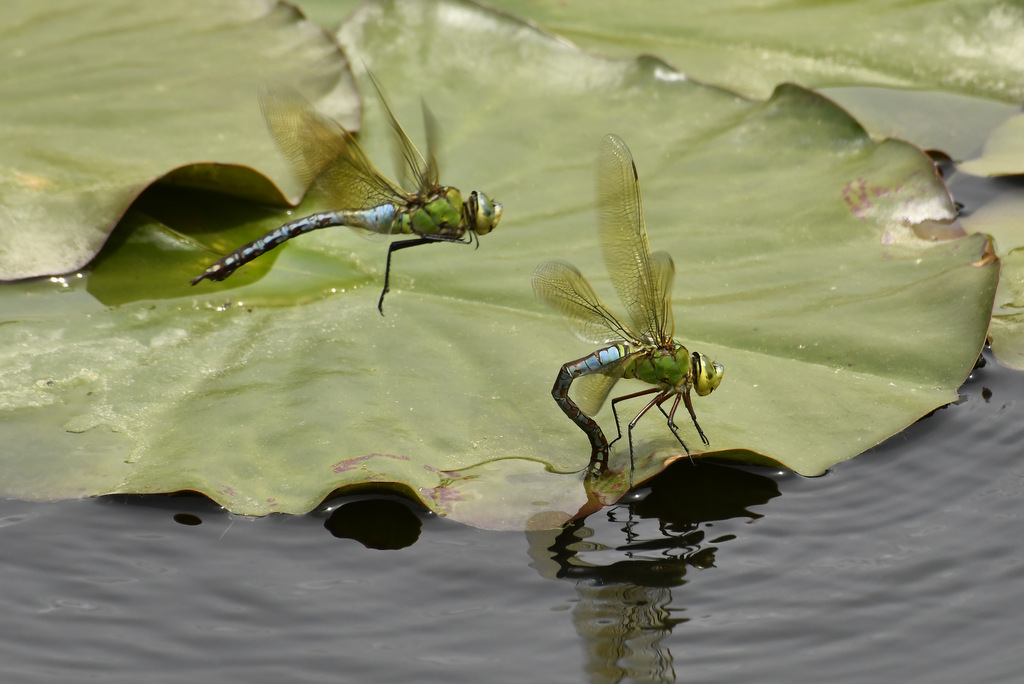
x,y
645,348
323,154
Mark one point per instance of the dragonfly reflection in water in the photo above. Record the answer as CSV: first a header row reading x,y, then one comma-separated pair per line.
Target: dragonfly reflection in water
x,y
322,153
644,350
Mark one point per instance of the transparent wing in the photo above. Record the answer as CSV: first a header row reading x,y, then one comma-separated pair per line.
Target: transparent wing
x,y
413,171
431,176
627,254
665,275
592,390
321,152
562,287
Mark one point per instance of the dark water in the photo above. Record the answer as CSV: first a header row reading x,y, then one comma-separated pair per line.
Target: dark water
x,y
905,564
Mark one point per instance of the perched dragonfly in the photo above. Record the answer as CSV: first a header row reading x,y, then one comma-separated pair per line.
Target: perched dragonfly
x,y
320,151
644,350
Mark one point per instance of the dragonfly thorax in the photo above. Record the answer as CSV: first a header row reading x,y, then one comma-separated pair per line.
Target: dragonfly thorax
x,y
675,367
438,214
665,366
445,214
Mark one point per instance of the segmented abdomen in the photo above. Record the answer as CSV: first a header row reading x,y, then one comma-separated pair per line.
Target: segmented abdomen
x,y
375,219
592,363
597,361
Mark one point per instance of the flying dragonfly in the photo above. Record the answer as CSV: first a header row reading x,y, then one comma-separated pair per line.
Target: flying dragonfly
x,y
322,153
645,349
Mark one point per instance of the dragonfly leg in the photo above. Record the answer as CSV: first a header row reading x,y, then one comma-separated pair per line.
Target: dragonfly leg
x,y
671,416
402,244
624,397
598,442
656,401
689,407
392,248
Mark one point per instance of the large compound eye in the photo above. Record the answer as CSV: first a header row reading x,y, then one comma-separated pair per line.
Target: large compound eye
x,y
707,375
482,213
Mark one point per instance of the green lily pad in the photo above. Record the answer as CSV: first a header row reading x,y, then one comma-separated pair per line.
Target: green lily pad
x,y
971,47
809,263
1001,219
1004,151
957,125
876,59
98,100
1007,329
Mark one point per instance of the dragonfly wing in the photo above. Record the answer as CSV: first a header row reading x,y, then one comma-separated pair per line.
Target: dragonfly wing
x,y
412,169
627,253
562,287
319,149
592,390
665,276
431,176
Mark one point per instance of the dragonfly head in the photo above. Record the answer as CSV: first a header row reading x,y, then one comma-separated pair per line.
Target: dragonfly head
x,y
707,375
483,214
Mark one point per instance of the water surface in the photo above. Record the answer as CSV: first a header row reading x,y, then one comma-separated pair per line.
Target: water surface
x,y
904,564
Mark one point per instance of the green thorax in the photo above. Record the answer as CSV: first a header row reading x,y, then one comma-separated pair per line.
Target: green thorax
x,y
438,214
663,366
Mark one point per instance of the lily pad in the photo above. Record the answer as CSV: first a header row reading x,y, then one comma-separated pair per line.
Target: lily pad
x,y
808,264
1007,329
957,125
1000,217
98,100
1004,151
972,47
886,71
